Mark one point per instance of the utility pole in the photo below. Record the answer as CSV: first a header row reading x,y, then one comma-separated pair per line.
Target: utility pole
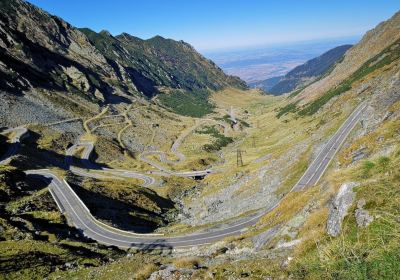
x,y
254,141
239,160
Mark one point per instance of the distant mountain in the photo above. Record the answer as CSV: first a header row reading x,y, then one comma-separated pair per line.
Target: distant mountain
x,y
369,68
38,50
304,74
267,84
374,45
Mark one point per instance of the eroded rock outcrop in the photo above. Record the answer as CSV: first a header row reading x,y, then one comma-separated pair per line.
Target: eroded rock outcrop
x,y
363,218
339,207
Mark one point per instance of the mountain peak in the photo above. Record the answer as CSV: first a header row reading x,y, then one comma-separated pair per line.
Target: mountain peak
x,y
105,32
91,62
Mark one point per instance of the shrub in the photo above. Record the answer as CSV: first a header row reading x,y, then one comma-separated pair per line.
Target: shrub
x,y
383,163
146,271
367,168
220,139
187,262
291,107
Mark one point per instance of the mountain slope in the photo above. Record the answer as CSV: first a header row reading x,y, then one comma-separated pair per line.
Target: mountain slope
x,y
160,62
372,44
289,242
38,50
306,73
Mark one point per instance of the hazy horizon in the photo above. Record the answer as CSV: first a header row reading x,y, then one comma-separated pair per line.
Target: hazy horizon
x,y
263,62
225,25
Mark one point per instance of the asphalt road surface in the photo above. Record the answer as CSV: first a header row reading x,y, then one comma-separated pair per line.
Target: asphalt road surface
x,y
317,168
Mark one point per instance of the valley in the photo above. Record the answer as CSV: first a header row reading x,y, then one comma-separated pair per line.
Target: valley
x,y
124,158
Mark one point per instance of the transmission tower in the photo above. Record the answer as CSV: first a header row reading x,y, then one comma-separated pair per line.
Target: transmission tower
x,y
254,141
239,159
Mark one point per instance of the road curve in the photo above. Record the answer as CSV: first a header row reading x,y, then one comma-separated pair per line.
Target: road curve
x,y
19,133
162,171
76,211
100,172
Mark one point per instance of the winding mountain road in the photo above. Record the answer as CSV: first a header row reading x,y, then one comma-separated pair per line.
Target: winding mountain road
x,y
95,171
79,215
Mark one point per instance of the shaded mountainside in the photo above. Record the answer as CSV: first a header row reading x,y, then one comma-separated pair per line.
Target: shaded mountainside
x,y
266,84
304,74
159,62
38,50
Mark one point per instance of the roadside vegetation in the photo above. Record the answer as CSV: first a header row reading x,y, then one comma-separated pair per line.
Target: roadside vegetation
x,y
360,253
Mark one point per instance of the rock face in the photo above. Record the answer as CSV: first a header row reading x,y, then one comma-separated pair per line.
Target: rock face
x,y
363,218
264,237
38,50
339,207
170,272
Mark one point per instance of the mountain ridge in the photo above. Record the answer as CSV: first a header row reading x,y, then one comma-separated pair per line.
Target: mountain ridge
x,y
372,43
304,74
61,57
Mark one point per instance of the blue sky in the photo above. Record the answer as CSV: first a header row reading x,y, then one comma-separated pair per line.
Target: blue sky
x,y
226,24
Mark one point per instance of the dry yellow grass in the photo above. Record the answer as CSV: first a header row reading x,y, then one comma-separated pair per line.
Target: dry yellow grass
x,y
187,262
289,206
238,98
88,137
145,271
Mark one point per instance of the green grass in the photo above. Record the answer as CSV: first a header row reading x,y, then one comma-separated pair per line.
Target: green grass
x,y
386,57
296,92
193,104
366,169
289,108
220,139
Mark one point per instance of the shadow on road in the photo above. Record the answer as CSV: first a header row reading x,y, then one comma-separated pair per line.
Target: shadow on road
x,y
155,246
